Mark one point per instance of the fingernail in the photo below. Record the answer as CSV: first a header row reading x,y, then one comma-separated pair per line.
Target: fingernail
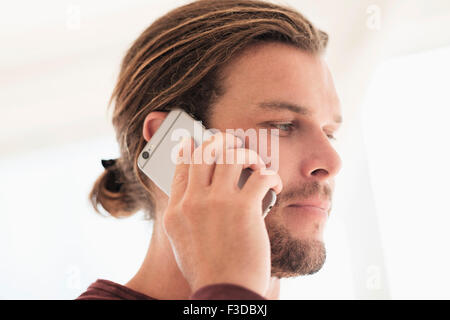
x,y
182,145
266,171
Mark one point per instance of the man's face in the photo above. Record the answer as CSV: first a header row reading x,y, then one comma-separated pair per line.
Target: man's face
x,y
259,86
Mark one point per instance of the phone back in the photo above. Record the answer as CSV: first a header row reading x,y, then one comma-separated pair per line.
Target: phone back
x,y
157,159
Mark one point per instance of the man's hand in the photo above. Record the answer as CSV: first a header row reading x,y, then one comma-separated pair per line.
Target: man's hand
x,y
216,230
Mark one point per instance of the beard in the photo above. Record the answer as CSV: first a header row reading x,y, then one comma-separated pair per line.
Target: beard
x,y
293,257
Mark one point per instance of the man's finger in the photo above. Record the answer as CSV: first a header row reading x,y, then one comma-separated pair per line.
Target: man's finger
x,y
181,175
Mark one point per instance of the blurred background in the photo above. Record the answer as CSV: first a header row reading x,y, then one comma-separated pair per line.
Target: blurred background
x,y
387,237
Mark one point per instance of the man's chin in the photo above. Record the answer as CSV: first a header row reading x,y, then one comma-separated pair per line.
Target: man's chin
x,y
292,257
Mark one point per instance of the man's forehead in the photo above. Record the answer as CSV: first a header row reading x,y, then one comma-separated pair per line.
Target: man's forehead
x,y
280,77
300,109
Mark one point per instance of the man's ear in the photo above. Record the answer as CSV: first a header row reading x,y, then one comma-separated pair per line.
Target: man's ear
x,y
152,122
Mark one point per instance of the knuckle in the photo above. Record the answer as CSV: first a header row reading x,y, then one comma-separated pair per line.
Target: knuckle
x,y
170,221
187,206
253,157
248,156
190,206
269,177
263,175
180,177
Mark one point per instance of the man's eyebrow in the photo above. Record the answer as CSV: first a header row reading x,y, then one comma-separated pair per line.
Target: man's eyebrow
x,y
276,105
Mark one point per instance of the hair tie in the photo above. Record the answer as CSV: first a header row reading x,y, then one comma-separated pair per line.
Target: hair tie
x,y
112,183
108,163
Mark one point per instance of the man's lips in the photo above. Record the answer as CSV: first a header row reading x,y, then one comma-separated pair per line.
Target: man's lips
x,y
323,205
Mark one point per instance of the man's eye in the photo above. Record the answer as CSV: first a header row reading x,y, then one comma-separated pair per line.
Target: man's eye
x,y
286,127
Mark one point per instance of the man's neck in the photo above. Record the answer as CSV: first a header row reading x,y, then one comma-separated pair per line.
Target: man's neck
x,y
159,276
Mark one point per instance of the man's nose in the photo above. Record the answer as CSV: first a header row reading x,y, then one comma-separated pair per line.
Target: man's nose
x,y
321,162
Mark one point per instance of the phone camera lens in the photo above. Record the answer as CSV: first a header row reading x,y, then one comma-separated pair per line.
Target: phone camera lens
x,y
145,155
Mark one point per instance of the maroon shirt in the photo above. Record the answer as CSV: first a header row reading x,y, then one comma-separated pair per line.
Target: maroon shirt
x,y
108,290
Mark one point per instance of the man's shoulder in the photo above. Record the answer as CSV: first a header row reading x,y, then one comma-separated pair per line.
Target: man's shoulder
x,y
225,291
103,289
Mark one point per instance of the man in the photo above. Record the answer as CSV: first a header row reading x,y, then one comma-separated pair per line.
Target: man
x,y
209,240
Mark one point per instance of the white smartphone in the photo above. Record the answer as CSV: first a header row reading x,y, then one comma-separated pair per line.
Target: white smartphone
x,y
158,158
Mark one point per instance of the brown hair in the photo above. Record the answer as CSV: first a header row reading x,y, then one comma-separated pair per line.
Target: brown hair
x,y
176,62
